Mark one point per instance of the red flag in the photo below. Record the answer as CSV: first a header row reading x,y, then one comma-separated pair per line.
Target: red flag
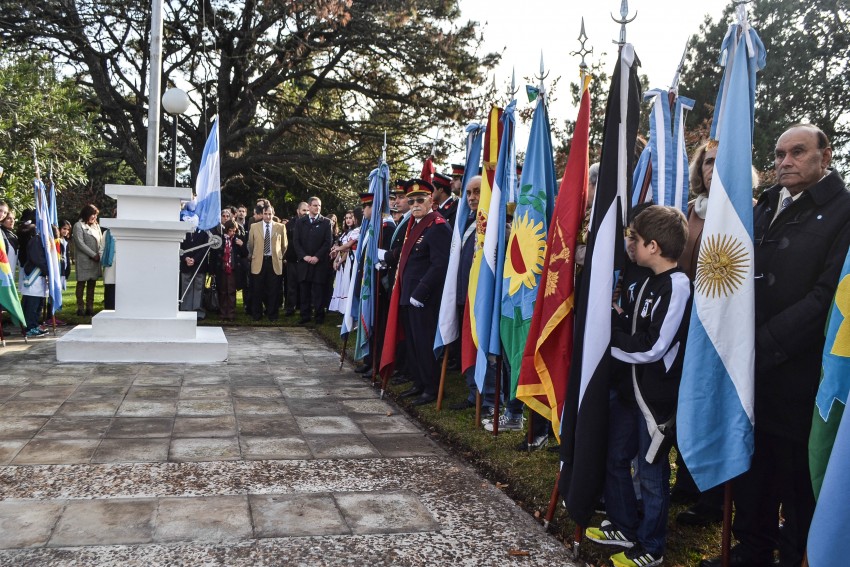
x,y
546,360
428,170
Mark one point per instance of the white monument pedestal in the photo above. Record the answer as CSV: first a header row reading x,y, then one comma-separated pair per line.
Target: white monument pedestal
x,y
146,325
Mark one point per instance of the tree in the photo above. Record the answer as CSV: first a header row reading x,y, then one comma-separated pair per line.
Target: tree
x,y
42,113
304,91
805,79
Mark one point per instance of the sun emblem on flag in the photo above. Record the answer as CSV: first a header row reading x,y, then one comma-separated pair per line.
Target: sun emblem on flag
x,y
722,263
525,254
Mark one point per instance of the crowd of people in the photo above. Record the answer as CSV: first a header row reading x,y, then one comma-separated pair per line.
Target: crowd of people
x,y
306,265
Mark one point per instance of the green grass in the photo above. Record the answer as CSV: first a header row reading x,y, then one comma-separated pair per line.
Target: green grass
x,y
526,477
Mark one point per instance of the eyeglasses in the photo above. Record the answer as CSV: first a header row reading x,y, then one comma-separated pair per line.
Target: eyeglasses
x,y
630,233
419,200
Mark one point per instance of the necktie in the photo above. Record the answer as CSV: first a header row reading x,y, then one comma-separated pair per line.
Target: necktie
x,y
267,243
785,202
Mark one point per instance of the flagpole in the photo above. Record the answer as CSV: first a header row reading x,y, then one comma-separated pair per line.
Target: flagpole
x,y
553,503
497,395
442,377
342,352
726,533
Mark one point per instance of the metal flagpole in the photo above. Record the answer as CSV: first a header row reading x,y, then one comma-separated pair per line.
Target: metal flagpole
x,y
154,102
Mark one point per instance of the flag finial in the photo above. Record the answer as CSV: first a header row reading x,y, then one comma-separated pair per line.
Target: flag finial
x,y
513,90
543,74
583,50
675,86
741,10
624,19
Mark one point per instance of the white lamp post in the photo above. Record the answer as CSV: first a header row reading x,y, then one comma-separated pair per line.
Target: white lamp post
x,y
175,101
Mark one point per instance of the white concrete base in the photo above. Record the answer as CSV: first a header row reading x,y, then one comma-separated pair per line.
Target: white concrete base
x,y
80,344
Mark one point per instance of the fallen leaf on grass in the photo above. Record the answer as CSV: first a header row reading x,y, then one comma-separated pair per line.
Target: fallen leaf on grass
x,y
518,553
500,485
389,413
537,514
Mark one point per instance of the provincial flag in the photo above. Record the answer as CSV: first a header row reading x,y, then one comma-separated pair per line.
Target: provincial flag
x,y
208,185
8,291
492,139
488,295
379,180
715,414
831,399
546,359
526,249
448,328
826,544
48,242
584,424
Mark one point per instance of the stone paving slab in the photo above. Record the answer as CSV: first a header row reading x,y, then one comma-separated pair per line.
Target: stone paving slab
x,y
273,458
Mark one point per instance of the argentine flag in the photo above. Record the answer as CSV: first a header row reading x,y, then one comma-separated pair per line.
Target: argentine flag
x,y
715,417
208,186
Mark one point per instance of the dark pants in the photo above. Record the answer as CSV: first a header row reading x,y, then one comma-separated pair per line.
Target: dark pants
x,y
420,326
226,286
265,290
31,306
779,475
312,296
628,436
109,296
88,285
292,288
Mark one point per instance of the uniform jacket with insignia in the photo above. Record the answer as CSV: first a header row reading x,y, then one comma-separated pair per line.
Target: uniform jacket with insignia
x,y
423,259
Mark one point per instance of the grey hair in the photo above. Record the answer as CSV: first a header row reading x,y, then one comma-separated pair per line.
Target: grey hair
x,y
593,173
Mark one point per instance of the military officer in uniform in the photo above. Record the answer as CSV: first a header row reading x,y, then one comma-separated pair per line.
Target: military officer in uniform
x,y
422,263
443,201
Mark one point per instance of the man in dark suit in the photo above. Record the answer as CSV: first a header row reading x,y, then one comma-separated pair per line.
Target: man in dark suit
x,y
266,246
422,263
290,284
444,202
312,241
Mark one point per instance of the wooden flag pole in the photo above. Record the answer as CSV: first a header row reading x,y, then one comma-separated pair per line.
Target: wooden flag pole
x,y
577,535
342,353
553,503
442,378
477,410
726,533
2,336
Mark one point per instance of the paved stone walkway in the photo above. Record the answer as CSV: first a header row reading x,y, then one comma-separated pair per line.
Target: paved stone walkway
x,y
274,458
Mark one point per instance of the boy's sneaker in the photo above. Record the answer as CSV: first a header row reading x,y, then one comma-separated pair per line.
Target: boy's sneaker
x,y
637,556
506,424
607,534
35,332
537,443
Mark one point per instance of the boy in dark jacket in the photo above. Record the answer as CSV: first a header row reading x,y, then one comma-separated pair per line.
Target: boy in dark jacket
x,y
651,340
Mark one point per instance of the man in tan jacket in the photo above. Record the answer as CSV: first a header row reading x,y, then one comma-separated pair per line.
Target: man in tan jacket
x,y
266,247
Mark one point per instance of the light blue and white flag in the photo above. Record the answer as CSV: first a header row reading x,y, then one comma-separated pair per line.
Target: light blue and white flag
x,y
488,296
50,245
665,155
715,416
448,325
379,186
208,186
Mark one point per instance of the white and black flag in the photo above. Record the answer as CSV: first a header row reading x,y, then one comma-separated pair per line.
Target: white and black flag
x,y
584,434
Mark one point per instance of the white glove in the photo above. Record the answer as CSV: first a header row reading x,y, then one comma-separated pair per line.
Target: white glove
x,y
415,302
381,266
381,254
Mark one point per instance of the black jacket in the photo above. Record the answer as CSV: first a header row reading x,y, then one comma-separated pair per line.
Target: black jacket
x,y
426,264
656,347
313,239
798,260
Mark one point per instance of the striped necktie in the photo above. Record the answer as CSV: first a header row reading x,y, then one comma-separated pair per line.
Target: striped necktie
x,y
267,242
785,202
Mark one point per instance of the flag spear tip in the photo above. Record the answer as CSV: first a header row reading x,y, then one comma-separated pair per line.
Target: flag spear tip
x,y
624,19
583,50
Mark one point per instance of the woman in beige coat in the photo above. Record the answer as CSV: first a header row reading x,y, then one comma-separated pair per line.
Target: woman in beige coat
x,y
88,242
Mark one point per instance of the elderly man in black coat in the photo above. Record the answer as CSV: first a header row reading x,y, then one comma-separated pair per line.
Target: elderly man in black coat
x,y
313,240
801,232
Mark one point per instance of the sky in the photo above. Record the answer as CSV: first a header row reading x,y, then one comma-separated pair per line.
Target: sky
x,y
659,33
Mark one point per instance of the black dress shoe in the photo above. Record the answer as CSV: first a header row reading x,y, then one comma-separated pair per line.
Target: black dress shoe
x,y
465,404
424,399
738,558
699,515
363,368
289,313
399,380
410,392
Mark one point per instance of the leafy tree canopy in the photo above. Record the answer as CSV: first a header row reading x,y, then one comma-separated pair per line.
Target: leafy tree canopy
x,y
42,113
304,90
